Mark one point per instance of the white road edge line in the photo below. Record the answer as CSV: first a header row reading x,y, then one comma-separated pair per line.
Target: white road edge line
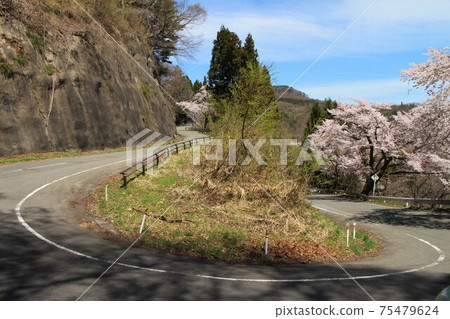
x,y
155,270
329,211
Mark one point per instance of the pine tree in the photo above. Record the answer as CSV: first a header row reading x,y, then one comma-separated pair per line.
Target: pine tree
x,y
225,63
315,119
196,86
249,53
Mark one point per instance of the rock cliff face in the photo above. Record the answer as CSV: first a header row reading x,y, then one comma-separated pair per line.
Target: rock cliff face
x,y
65,85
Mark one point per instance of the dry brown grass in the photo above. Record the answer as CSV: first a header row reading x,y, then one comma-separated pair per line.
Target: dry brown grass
x,y
223,220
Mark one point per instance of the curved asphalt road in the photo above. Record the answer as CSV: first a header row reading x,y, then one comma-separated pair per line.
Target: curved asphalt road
x,y
46,255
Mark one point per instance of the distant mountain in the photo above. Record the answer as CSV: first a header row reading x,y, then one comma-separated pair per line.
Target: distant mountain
x,y
295,107
290,93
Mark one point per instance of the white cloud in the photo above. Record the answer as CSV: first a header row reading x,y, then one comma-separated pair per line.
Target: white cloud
x,y
397,12
277,37
297,31
391,91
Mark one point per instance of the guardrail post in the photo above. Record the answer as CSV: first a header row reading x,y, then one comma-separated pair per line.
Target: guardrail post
x,y
144,167
176,148
157,160
124,179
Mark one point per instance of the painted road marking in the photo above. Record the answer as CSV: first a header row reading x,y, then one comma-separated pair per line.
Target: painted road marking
x,y
33,168
49,165
330,211
205,276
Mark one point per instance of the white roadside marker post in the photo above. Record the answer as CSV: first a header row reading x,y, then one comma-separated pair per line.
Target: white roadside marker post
x,y
348,233
106,193
266,243
375,178
142,224
354,230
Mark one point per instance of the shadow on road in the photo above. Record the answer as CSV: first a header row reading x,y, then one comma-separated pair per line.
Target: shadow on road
x,y
31,269
402,217
136,285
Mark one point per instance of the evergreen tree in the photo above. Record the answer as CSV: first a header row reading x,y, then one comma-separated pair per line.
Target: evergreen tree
x,y
315,119
196,86
225,63
249,53
329,105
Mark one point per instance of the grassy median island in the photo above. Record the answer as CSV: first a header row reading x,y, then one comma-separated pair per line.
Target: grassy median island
x,y
223,221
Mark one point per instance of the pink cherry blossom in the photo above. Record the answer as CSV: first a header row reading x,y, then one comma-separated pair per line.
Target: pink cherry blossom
x,y
362,139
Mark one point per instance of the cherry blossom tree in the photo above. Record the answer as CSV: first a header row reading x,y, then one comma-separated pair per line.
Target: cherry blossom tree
x,y
200,108
433,75
361,140
358,140
425,130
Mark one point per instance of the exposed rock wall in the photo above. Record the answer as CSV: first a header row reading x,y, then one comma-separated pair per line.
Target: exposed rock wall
x,y
74,89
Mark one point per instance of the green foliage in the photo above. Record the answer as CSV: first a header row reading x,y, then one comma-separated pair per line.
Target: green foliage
x,y
395,109
21,59
146,90
356,249
5,68
196,86
36,41
252,97
369,244
314,120
177,84
225,62
318,114
228,58
249,53
50,69
165,21
37,157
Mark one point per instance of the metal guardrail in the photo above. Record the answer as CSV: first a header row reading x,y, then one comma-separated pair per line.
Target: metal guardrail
x,y
140,168
405,200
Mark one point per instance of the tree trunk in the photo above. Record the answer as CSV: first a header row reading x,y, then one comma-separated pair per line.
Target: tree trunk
x,y
368,186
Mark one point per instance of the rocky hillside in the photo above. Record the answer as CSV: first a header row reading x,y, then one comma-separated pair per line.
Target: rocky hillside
x,y
65,85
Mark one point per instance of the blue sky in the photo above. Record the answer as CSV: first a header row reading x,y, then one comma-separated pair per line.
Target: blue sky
x,y
365,63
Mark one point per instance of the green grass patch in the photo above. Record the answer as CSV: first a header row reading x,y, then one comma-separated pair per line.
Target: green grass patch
x,y
21,59
36,41
50,155
37,157
50,69
146,90
5,68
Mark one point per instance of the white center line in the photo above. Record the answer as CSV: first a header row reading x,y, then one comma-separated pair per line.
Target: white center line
x,y
49,165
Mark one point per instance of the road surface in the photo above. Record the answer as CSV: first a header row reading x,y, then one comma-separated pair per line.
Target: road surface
x,y
47,255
